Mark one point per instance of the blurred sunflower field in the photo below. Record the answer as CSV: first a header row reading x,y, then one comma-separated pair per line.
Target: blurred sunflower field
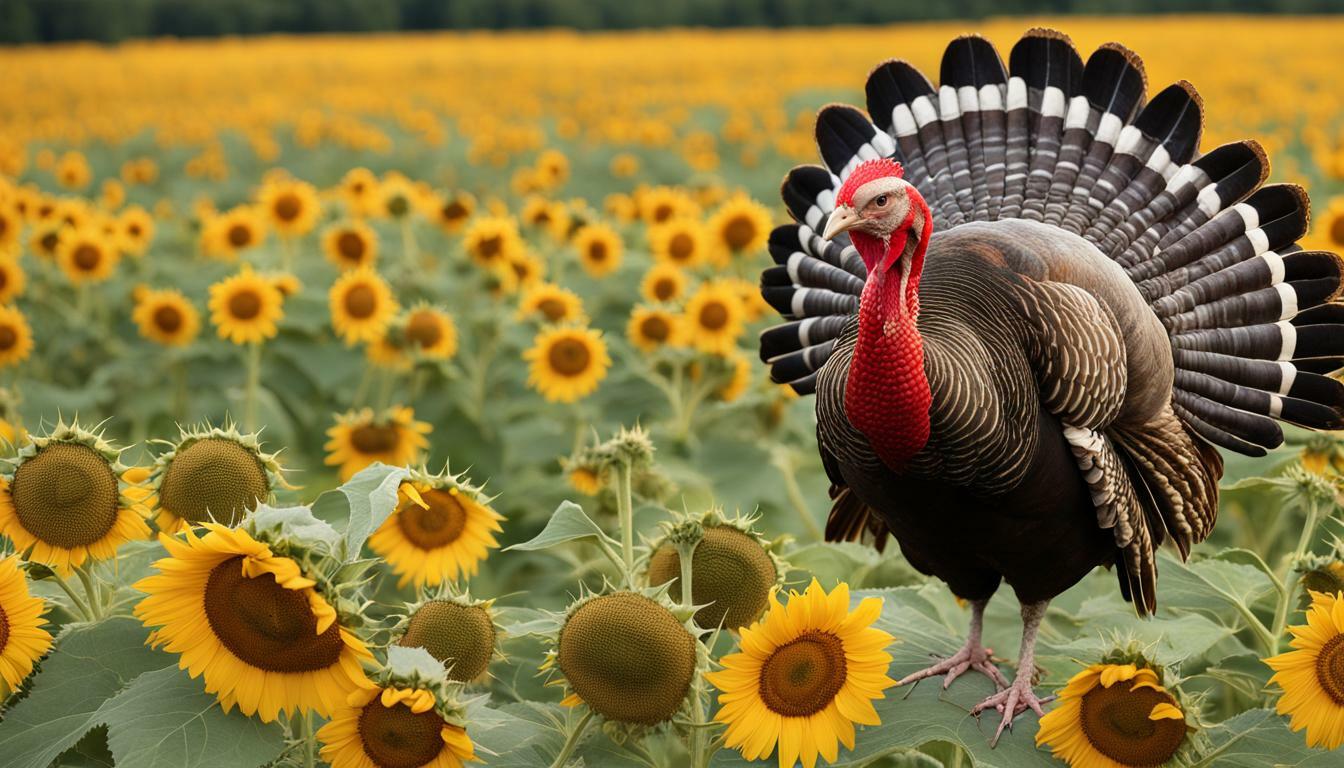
x,y
368,401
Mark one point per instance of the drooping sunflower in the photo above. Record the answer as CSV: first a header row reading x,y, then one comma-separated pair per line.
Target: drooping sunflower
x,y
456,630
291,206
625,656
246,308
679,242
650,328
1312,675
212,474
12,279
491,241
600,249
23,640
16,338
252,623
395,727
714,318
136,228
166,316
804,675
430,332
1114,716
86,255
740,226
567,362
361,305
733,569
453,211
442,527
551,304
663,283
362,437
359,187
63,504
350,245
659,205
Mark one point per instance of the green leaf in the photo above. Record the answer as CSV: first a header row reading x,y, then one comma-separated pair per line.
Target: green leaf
x,y
361,505
569,523
1223,590
165,719
90,664
1259,738
296,524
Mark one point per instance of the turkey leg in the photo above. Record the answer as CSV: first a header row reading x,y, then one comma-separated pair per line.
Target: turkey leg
x,y
1019,697
972,655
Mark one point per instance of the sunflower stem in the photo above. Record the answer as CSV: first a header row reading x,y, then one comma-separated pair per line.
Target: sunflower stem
x,y
1289,592
180,389
95,603
253,383
74,598
699,753
287,253
625,504
572,740
309,742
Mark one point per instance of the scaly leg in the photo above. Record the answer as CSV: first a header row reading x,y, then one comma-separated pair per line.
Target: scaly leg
x,y
972,655
1019,697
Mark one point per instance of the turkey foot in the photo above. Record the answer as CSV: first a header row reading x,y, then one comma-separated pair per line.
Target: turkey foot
x,y
972,655
1019,697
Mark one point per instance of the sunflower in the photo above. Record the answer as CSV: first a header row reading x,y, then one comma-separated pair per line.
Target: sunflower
x,y
551,303
86,255
527,268
350,245
16,338
72,170
804,675
663,283
1331,226
585,479
566,363
624,165
741,225
599,248
430,332
359,187
714,318
291,206
395,727
166,316
287,283
246,307
754,305
458,631
136,228
389,351
549,216
234,231
1312,676
620,207
552,167
1112,716
680,242
399,197
46,241
732,571
63,503
12,278
252,623
660,205
650,328
442,527
453,211
11,228
362,437
213,474
23,641
492,240
361,305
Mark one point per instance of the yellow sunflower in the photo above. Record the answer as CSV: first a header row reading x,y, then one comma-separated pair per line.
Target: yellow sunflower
x,y
650,328
552,167
453,211
804,675
362,437
1113,716
624,165
46,241
64,504
399,197
549,216
600,249
291,206
72,170
659,205
431,333
754,306
740,226
441,529
287,283
527,268
1330,229
350,245
714,318
16,338
585,479
11,229
246,307
567,363
739,377
393,727
136,228
360,189
361,305
86,255
1312,676
389,351
620,207
212,475
166,316
492,241
551,303
233,232
663,283
23,640
680,242
252,623
12,279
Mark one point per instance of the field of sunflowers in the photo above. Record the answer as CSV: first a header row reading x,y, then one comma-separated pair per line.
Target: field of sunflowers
x,y
368,401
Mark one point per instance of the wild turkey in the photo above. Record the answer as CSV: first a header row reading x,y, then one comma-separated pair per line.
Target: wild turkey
x,y
1030,309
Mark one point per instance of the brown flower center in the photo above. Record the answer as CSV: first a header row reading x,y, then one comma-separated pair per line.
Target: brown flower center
x,y
374,438
48,241
423,329
680,247
398,205
713,316
569,357
597,251
1115,721
664,289
739,232
4,225
655,328
240,235
396,737
134,230
1330,668
351,246
245,304
264,624
288,207
8,337
554,309
167,318
1337,231
66,495
87,257
802,677
462,635
662,212
454,211
435,526
214,479
361,301
490,247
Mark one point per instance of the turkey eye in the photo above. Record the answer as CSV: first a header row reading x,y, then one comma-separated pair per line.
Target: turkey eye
x,y
881,201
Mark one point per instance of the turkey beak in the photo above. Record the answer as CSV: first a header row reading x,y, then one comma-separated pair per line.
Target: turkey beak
x,y
842,219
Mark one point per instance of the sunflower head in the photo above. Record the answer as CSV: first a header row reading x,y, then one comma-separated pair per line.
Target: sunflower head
x,y
551,304
428,332
213,474
290,206
246,307
350,245
653,327
136,228
1312,675
741,225
627,656
22,639
456,630
679,242
600,249
443,527
16,337
663,283
659,205
234,231
360,438
453,211
86,254
63,503
361,305
491,241
567,362
166,316
714,318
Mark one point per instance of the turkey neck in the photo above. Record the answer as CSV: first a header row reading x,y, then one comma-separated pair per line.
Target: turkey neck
x,y
887,394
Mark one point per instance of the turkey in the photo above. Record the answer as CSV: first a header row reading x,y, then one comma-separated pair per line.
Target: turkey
x,y
1032,311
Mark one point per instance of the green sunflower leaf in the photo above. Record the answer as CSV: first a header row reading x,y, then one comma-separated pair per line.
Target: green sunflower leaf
x,y
1257,738
361,505
569,523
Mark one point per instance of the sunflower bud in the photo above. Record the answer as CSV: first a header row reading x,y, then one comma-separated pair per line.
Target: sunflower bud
x,y
458,632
